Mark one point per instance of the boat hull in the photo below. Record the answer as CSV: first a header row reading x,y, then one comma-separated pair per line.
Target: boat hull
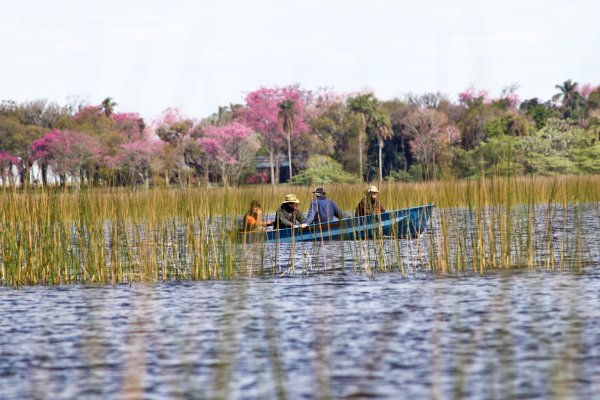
x,y
403,223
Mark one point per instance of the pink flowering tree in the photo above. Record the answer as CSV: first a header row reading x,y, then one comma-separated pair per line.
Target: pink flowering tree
x,y
135,159
67,152
42,152
321,101
278,116
509,99
291,117
130,125
231,147
471,95
176,131
585,90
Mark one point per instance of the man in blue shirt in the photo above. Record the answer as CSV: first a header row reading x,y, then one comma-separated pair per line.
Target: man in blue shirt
x,y
321,209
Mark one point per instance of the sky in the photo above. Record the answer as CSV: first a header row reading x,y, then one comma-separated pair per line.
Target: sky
x,y
199,54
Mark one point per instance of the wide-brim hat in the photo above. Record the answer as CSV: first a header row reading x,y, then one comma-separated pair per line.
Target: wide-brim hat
x,y
372,189
319,191
290,198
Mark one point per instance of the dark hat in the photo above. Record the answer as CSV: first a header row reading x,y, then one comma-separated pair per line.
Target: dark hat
x,y
319,191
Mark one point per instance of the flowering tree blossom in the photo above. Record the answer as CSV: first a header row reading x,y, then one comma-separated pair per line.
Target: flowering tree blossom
x,y
277,115
175,130
586,89
131,125
135,159
67,152
471,94
321,101
41,151
88,112
232,148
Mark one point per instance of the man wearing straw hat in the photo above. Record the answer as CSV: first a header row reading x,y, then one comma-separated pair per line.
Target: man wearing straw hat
x,y
288,215
370,204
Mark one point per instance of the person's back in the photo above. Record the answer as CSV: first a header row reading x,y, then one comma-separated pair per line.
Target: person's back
x,y
322,209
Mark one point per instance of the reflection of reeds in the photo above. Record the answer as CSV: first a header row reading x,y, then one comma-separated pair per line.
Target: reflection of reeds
x,y
116,235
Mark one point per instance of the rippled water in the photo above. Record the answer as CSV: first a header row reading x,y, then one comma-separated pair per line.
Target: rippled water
x,y
321,320
516,335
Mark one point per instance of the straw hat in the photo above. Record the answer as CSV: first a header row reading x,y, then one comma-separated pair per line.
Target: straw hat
x,y
290,198
373,189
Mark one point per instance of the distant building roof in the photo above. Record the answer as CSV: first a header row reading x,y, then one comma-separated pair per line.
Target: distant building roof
x,y
265,162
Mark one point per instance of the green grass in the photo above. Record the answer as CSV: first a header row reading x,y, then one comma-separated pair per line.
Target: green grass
x,y
120,235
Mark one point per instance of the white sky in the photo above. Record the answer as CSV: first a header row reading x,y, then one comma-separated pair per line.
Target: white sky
x,y
199,54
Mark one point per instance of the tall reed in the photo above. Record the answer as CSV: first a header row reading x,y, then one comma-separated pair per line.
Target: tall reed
x,y
115,235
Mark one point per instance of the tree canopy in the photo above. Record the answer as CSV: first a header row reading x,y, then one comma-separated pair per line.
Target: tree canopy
x,y
326,137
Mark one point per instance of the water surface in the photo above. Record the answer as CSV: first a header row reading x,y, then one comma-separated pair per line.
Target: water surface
x,y
343,335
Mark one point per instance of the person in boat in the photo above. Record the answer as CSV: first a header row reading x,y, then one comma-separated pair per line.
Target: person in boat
x,y
253,218
370,204
322,209
288,215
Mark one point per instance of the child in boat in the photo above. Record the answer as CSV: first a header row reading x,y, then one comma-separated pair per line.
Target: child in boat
x,y
253,218
370,204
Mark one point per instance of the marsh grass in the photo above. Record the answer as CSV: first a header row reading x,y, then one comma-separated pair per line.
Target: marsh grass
x,y
121,235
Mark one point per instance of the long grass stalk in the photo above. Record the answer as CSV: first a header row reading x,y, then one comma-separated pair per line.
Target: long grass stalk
x,y
50,236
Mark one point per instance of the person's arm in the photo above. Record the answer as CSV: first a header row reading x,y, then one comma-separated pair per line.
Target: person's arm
x,y
337,212
260,221
282,221
300,218
312,212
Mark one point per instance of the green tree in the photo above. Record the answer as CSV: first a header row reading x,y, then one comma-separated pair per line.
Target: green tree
x,y
472,123
572,104
364,105
399,155
15,139
323,170
553,150
383,128
499,155
108,106
538,112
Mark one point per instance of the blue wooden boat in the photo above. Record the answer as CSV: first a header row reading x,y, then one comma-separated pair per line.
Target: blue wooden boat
x,y
403,223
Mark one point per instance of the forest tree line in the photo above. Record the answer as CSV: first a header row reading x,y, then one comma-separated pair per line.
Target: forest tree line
x,y
316,136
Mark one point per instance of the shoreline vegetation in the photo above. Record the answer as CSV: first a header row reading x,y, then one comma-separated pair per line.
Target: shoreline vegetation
x,y
115,235
302,137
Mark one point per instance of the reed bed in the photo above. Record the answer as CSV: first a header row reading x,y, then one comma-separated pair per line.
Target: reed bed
x,y
51,236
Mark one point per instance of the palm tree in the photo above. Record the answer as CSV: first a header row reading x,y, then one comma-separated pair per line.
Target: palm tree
x,y
108,105
383,125
287,117
363,105
566,91
573,103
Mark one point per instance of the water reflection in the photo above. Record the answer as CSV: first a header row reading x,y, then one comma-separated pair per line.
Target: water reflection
x,y
342,335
